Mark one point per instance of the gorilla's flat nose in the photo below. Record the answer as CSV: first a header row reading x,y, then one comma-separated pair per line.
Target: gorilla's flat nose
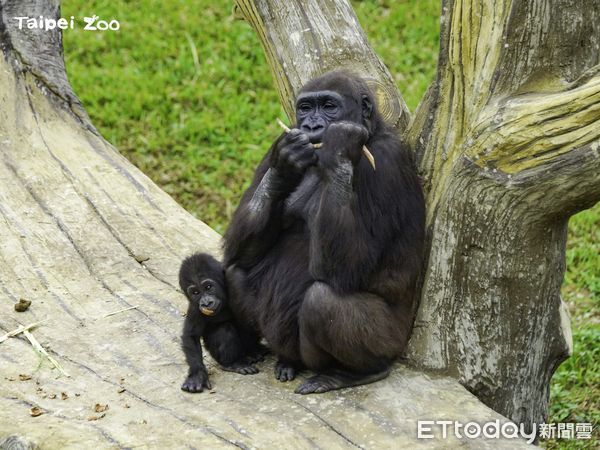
x,y
311,128
209,303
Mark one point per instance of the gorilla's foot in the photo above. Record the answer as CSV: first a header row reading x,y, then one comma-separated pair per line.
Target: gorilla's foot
x,y
243,367
285,371
338,379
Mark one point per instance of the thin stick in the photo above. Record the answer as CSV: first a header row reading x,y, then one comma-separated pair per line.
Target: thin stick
x,y
21,329
365,150
38,348
121,310
283,125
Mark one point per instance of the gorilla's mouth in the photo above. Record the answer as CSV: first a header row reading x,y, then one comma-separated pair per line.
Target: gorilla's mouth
x,y
316,136
207,311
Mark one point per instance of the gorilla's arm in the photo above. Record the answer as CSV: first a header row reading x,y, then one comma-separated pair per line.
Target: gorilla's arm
x,y
193,328
361,211
256,223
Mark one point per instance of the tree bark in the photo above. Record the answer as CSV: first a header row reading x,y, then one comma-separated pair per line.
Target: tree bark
x,y
507,140
304,39
86,235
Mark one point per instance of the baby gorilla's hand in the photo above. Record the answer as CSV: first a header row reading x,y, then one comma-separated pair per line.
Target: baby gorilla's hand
x,y
292,155
196,382
343,140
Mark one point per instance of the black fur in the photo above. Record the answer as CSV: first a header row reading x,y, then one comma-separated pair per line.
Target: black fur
x,y
323,252
202,280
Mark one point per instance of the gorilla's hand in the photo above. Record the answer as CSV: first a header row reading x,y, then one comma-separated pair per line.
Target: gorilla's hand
x,y
196,382
343,141
291,156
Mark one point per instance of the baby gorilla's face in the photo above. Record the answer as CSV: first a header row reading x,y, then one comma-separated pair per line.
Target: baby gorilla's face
x,y
208,295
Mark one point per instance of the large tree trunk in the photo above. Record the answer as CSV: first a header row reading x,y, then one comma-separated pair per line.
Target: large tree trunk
x,y
507,141
84,234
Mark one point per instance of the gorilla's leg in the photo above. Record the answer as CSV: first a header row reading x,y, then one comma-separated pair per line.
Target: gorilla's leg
x,y
349,340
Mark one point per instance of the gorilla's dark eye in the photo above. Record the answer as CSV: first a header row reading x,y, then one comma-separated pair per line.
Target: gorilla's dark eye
x,y
304,107
329,106
192,291
208,286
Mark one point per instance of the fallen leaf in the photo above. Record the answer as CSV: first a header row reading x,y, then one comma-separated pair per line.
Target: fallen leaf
x,y
121,390
64,396
36,411
24,377
52,396
92,418
22,305
100,408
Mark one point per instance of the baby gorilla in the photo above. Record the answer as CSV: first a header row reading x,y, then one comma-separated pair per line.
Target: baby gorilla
x,y
202,280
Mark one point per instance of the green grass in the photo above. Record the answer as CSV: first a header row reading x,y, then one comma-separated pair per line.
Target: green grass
x,y
198,130
575,388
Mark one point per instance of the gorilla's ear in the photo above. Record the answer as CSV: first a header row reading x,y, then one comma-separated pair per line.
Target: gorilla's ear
x,y
367,107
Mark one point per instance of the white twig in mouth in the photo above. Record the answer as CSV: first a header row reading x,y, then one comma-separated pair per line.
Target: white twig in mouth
x,y
365,150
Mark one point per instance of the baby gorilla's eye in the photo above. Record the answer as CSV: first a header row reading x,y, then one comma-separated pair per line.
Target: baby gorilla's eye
x,y
329,106
208,287
195,292
304,107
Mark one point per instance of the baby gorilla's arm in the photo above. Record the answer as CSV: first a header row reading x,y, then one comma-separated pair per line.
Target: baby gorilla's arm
x,y
197,379
224,343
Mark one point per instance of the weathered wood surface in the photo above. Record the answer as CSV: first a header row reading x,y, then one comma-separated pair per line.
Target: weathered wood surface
x,y
83,234
508,143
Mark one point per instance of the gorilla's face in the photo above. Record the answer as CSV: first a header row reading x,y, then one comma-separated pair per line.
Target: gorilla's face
x,y
315,111
208,295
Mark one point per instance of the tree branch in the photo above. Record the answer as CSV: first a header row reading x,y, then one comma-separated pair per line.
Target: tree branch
x,y
501,100
304,39
528,139
39,52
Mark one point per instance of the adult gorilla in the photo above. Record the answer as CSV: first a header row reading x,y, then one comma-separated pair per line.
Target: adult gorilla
x,y
323,252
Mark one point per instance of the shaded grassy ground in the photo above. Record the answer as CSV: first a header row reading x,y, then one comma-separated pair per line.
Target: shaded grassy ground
x,y
183,90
